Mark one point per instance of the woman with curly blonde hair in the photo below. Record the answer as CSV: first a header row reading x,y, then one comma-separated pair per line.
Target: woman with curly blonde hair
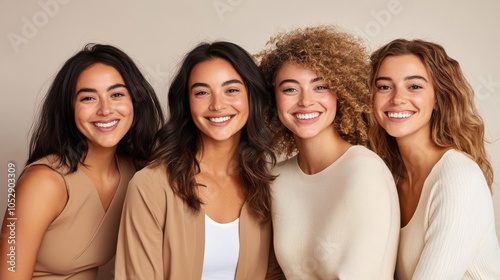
x,y
334,202
432,138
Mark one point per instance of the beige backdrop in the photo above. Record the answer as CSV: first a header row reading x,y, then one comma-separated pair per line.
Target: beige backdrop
x,y
38,36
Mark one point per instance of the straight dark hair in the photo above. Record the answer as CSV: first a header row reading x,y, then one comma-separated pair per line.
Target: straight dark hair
x,y
56,132
178,142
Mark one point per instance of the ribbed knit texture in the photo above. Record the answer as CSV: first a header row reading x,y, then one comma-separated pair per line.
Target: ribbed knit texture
x,y
452,232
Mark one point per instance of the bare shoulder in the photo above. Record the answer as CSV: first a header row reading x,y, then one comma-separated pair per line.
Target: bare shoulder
x,y
42,177
40,183
40,196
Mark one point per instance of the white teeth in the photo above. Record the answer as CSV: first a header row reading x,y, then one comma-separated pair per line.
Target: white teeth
x,y
307,116
399,115
219,119
106,125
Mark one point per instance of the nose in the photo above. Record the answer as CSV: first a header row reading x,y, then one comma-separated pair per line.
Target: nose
x,y
398,97
216,102
306,99
105,107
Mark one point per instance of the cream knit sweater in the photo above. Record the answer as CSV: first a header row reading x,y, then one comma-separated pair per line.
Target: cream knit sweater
x,y
452,232
341,223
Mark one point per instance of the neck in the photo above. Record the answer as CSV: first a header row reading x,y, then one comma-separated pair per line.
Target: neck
x,y
101,160
219,157
419,157
319,152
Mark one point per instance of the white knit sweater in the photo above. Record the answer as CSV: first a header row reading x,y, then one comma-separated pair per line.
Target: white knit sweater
x,y
452,232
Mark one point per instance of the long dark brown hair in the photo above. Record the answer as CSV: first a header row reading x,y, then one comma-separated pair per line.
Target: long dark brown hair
x,y
177,143
56,132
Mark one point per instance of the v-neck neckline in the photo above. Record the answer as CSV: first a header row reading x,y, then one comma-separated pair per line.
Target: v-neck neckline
x,y
425,190
96,193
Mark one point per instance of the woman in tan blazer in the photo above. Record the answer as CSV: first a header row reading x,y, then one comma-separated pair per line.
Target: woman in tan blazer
x,y
201,209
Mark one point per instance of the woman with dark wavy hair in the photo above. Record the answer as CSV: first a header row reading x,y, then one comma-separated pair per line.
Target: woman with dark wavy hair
x,y
432,138
95,129
201,209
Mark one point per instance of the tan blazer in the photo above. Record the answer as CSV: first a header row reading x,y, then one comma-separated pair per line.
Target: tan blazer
x,y
162,238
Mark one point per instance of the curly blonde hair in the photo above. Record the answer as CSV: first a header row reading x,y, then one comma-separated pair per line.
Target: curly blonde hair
x,y
341,60
455,123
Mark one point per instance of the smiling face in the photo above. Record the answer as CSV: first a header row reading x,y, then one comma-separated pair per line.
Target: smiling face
x,y
218,100
103,106
305,104
404,97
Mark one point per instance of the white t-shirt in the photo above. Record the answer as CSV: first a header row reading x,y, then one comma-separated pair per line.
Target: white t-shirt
x,y
222,248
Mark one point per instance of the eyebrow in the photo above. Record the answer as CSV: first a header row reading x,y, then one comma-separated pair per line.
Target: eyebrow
x,y
233,81
95,91
415,77
313,80
406,78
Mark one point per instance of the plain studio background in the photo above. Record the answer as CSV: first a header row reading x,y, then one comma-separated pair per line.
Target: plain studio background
x,y
38,36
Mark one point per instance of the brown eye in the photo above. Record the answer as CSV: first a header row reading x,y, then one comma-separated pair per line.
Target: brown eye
x,y
118,94
290,90
201,93
233,90
86,98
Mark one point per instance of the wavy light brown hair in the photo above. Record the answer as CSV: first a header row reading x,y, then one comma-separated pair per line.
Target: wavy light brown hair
x,y
455,123
341,60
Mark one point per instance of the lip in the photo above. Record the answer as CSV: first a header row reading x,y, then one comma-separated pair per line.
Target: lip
x,y
106,124
399,115
306,116
220,120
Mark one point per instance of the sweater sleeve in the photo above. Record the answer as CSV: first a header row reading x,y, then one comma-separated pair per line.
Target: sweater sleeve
x,y
458,215
140,240
373,230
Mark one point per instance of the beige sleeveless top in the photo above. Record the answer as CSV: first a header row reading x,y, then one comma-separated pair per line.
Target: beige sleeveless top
x,y
83,237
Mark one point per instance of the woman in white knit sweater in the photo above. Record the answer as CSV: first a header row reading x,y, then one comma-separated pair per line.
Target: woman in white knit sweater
x,y
334,204
432,138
